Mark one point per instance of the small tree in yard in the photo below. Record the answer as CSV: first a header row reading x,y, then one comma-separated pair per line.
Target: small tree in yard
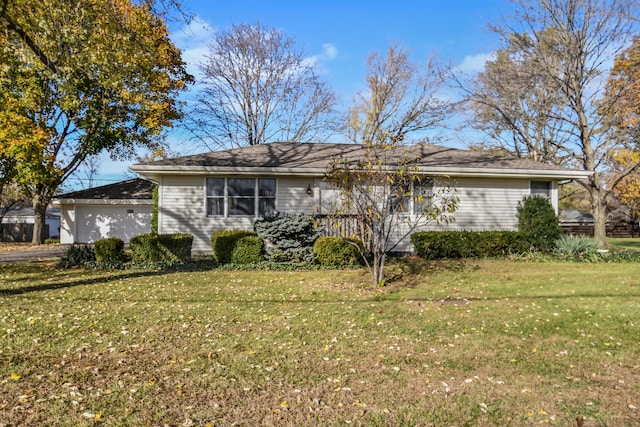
x,y
383,183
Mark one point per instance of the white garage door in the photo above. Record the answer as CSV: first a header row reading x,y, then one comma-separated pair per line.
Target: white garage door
x,y
100,222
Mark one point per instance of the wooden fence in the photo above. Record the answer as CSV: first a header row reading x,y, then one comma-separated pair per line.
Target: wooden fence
x,y
615,229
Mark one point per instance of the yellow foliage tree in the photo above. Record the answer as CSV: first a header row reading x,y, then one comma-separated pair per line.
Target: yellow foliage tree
x,y
627,189
79,78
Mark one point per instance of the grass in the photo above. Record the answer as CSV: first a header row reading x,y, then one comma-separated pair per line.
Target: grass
x,y
489,342
623,243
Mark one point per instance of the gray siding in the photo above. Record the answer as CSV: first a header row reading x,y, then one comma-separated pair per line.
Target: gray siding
x,y
182,207
484,204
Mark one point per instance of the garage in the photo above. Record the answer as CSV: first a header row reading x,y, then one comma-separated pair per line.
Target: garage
x,y
122,210
122,221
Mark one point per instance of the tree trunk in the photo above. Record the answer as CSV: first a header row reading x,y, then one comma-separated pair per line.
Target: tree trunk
x,y
600,220
39,215
378,268
599,206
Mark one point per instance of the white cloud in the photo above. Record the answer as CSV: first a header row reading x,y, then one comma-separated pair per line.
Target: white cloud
x,y
193,40
472,64
329,51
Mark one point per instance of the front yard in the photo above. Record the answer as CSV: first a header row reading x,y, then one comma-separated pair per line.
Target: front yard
x,y
483,342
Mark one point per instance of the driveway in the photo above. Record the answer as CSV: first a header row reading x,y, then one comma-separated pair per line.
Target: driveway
x,y
11,253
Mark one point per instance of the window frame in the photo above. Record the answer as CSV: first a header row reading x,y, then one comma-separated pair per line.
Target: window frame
x,y
228,196
547,192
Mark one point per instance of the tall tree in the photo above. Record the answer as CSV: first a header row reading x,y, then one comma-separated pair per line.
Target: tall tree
x,y
258,87
507,98
384,188
565,46
79,78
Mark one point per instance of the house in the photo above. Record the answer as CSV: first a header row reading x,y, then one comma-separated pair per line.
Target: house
x,y
17,224
202,193
120,210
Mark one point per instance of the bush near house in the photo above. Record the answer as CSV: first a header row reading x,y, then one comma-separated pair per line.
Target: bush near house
x,y
537,218
109,250
337,251
161,248
248,250
470,244
223,243
290,235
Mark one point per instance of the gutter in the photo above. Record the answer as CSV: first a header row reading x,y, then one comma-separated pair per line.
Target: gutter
x,y
153,172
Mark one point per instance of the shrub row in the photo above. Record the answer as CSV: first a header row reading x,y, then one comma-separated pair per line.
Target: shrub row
x,y
168,249
470,244
246,247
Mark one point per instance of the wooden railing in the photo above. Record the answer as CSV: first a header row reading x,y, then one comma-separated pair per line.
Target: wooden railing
x,y
338,225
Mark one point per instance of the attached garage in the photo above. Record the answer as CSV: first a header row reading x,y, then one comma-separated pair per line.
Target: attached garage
x,y
122,210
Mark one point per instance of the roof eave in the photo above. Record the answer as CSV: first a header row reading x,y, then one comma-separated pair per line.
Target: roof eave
x,y
59,202
154,172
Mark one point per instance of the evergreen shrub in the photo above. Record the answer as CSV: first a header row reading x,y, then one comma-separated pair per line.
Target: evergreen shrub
x,y
248,250
537,218
168,249
223,242
289,236
469,244
109,250
338,251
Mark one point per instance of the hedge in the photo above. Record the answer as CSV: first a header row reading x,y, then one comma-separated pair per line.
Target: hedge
x,y
109,250
248,250
164,248
470,244
223,243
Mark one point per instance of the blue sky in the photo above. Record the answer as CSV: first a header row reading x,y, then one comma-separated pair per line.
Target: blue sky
x,y
339,36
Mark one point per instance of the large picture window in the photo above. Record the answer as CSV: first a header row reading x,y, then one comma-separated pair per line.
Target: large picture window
x,y
240,196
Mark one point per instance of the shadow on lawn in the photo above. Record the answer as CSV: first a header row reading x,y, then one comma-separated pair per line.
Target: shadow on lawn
x,y
82,282
403,272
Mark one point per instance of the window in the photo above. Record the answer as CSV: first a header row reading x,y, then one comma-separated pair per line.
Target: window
x,y
240,196
422,194
266,196
413,199
541,188
215,196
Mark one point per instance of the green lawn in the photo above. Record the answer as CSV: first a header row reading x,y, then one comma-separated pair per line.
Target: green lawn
x,y
624,243
491,343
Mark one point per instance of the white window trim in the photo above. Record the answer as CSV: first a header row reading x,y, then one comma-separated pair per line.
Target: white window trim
x,y
256,205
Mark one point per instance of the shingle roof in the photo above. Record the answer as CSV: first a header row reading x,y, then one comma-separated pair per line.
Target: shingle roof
x,y
132,189
318,155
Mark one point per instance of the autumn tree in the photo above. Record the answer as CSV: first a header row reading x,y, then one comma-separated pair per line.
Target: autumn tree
x,y
561,49
627,189
259,87
384,187
80,78
507,98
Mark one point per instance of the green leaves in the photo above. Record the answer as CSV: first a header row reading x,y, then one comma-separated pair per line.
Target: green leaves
x,y
80,78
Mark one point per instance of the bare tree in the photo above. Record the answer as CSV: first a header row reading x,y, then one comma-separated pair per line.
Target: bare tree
x,y
384,186
259,87
507,98
554,89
